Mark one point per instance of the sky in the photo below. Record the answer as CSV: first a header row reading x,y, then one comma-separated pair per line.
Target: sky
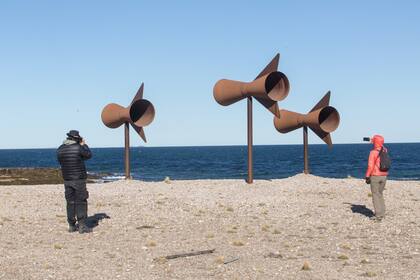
x,y
61,62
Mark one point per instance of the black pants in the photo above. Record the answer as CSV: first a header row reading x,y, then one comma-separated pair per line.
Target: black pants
x,y
76,196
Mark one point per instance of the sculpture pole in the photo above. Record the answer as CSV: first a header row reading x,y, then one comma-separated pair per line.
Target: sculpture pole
x,y
305,150
127,150
250,165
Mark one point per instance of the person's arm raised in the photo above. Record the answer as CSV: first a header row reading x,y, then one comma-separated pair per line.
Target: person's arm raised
x,y
84,150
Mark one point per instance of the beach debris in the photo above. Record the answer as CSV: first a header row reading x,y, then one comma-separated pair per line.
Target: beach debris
x,y
369,194
346,246
276,231
47,266
237,243
220,260
151,243
343,257
364,261
275,255
189,254
369,274
145,227
230,209
231,260
58,246
265,228
99,205
210,235
167,180
306,266
161,260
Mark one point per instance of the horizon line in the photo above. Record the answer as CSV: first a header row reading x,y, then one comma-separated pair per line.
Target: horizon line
x,y
192,146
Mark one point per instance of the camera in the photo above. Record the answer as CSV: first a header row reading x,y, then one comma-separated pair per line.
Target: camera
x,y
366,139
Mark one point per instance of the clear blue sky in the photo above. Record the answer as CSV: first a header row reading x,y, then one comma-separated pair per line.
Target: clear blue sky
x,y
61,62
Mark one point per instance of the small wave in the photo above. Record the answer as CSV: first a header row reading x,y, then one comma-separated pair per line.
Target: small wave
x,y
112,178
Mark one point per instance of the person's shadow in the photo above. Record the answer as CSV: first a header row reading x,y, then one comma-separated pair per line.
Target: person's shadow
x,y
93,221
361,209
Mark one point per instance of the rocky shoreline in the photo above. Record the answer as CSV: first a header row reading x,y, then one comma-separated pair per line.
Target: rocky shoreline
x,y
35,176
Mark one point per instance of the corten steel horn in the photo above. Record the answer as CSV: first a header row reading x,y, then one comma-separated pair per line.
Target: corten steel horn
x,y
268,87
140,113
322,120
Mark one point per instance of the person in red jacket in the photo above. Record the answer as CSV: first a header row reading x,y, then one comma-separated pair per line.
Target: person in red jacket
x,y
376,178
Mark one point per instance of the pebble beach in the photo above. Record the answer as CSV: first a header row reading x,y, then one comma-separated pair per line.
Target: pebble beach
x,y
302,227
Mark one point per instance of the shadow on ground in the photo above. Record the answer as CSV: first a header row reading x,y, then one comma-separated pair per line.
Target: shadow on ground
x,y
93,221
361,209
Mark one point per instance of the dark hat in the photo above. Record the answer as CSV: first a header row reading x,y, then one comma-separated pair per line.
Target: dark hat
x,y
74,134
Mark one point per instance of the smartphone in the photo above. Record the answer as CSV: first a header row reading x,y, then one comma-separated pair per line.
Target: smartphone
x,y
366,139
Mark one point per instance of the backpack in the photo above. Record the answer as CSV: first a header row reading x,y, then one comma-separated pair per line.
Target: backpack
x,y
384,160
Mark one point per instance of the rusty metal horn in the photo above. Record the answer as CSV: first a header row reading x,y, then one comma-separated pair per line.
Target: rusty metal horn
x,y
140,113
322,120
272,86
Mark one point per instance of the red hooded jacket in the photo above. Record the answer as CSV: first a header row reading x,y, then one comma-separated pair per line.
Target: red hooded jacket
x,y
374,160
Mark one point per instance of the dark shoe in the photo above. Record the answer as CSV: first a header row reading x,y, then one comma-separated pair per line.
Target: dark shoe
x,y
84,228
73,228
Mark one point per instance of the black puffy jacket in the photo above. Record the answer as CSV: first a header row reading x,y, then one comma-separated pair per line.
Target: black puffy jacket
x,y
71,158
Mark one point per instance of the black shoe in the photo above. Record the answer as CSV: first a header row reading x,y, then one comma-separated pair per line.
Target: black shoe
x,y
84,228
73,228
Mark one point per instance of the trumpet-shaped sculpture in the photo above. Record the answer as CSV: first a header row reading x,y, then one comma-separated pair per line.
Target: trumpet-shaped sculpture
x,y
322,120
140,113
268,87
273,86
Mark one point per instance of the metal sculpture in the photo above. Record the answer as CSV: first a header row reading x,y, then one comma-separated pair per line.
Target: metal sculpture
x,y
322,120
140,113
268,87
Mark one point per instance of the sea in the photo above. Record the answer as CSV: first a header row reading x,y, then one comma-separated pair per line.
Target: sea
x,y
228,162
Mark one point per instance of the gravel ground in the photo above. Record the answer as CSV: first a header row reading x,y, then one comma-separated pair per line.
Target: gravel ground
x,y
303,227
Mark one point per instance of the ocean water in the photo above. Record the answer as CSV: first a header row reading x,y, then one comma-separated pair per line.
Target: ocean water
x,y
228,162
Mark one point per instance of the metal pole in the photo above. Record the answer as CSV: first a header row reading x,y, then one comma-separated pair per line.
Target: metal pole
x,y
127,150
305,150
250,171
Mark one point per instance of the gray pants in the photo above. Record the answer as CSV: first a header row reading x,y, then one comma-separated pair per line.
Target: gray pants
x,y
377,185
76,196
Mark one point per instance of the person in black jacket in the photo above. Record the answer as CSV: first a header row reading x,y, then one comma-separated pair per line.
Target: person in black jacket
x,y
71,155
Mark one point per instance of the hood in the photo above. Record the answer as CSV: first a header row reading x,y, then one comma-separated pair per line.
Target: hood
x,y
377,141
69,142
